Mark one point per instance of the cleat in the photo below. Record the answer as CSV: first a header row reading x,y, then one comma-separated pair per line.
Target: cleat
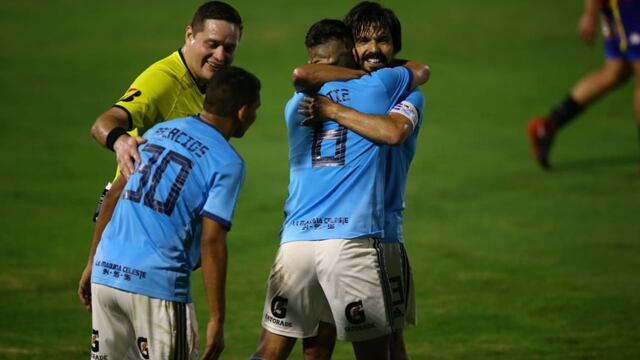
x,y
541,139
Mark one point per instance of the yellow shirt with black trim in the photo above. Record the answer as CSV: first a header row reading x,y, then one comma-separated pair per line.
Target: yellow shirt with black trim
x,y
165,90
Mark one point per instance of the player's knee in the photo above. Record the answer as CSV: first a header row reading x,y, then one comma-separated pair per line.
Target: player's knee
x,y
614,75
316,354
374,349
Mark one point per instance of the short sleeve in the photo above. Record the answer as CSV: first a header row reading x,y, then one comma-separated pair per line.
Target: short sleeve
x,y
397,81
411,107
223,195
149,98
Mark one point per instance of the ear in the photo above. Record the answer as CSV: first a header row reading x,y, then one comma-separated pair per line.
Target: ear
x,y
188,34
355,55
242,112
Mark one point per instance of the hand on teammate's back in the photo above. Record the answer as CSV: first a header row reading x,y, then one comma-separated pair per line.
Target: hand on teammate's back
x,y
316,109
126,149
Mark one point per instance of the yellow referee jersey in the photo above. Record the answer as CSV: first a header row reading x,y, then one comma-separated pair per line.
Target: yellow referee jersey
x,y
165,90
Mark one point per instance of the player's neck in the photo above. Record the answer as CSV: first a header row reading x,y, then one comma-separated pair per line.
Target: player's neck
x,y
224,125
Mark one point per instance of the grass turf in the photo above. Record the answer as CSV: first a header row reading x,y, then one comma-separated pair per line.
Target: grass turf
x,y
509,262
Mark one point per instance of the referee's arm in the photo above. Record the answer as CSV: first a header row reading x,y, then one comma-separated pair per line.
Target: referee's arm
x,y
110,130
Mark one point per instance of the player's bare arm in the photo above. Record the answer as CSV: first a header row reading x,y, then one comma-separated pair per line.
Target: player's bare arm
x,y
213,256
421,72
108,205
312,76
109,130
588,23
391,129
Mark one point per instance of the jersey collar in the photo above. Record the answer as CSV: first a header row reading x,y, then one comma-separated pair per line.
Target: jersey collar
x,y
203,89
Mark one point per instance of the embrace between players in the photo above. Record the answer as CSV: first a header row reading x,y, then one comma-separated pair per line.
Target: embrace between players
x,y
341,270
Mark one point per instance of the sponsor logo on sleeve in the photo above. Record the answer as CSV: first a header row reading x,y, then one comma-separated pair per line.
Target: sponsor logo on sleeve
x,y
131,94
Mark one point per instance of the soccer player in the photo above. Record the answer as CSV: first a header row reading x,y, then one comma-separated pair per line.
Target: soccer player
x,y
173,214
377,35
328,267
170,88
621,31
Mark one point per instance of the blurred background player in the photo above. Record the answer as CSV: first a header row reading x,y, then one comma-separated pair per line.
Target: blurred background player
x,y
334,214
377,34
173,215
170,88
621,31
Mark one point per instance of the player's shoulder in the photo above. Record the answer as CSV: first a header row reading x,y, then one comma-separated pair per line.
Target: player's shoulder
x,y
296,97
199,137
387,71
416,97
212,136
291,108
388,75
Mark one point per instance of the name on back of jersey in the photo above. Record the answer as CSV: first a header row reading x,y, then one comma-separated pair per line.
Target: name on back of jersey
x,y
180,137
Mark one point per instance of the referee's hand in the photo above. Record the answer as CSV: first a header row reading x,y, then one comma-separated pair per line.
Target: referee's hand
x,y
126,149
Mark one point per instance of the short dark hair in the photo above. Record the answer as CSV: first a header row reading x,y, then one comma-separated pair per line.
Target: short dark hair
x,y
215,10
327,29
229,89
362,17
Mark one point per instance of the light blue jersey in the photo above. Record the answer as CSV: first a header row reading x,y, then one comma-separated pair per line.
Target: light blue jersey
x,y
397,167
152,243
336,185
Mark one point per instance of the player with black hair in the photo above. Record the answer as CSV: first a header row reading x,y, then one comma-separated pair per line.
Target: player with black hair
x,y
173,214
377,34
334,213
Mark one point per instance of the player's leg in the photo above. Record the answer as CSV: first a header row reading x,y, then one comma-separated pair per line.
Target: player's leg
x,y
293,302
542,130
112,335
397,345
355,284
273,346
163,329
373,349
320,347
591,87
403,309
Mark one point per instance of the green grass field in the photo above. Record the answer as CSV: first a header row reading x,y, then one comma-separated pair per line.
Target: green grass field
x,y
509,262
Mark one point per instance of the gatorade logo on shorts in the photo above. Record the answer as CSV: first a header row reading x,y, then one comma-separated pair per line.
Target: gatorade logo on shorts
x,y
95,345
355,312
143,346
279,307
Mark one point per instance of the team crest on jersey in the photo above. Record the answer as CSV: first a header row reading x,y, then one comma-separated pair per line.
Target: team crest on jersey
x,y
143,346
131,94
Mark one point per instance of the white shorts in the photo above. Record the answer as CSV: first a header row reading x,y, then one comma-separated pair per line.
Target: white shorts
x,y
132,326
336,281
403,299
